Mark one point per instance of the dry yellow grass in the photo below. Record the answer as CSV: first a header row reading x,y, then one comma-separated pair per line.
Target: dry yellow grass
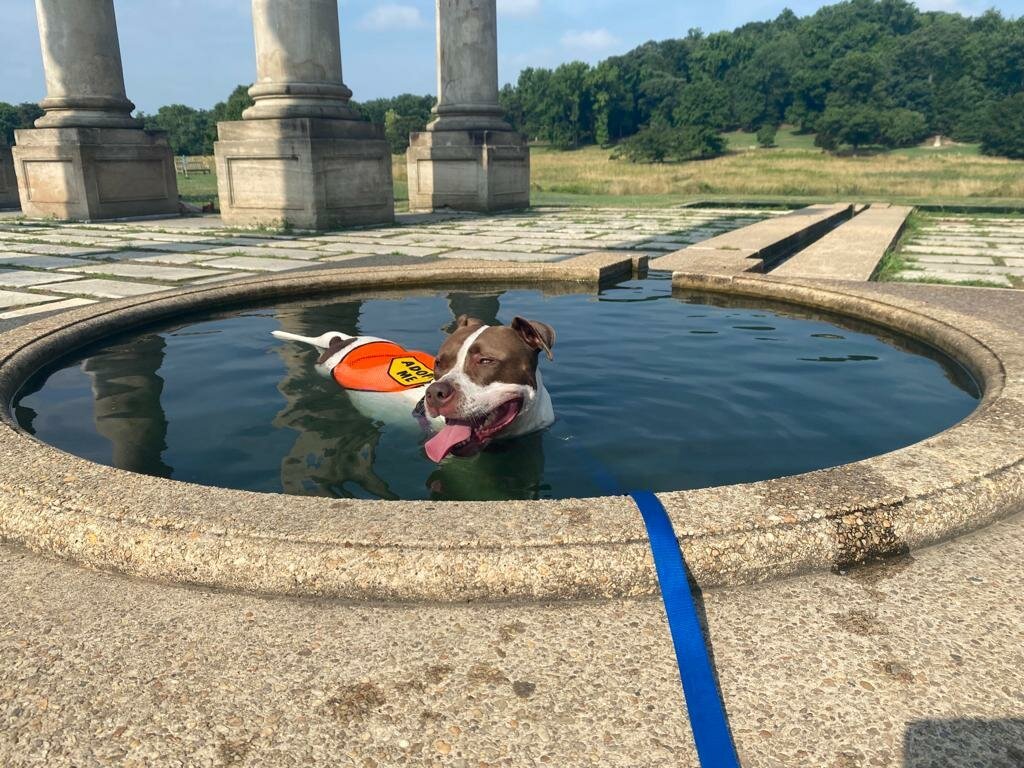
x,y
783,172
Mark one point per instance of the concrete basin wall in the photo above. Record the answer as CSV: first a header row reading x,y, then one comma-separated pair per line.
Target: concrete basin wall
x,y
540,550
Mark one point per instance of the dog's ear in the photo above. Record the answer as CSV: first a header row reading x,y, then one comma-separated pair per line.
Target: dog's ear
x,y
536,335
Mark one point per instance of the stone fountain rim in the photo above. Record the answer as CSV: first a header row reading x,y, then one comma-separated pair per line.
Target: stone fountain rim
x,y
961,479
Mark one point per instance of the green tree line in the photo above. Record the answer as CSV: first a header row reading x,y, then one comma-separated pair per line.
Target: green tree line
x,y
862,72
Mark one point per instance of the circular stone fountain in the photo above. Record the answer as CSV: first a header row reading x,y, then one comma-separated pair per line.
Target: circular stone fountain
x,y
567,543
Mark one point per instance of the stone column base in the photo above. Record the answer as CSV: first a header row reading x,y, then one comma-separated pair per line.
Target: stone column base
x,y
8,179
81,174
308,173
468,171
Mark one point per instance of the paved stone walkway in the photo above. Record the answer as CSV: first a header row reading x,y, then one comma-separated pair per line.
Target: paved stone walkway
x,y
967,249
46,266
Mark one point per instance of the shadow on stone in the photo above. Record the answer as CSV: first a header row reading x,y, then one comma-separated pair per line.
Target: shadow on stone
x,y
954,743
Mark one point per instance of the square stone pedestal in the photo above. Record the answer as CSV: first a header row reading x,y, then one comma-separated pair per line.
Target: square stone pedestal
x,y
468,171
81,174
308,173
8,179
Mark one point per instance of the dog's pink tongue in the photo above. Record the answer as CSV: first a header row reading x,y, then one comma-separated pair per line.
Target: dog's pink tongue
x,y
441,444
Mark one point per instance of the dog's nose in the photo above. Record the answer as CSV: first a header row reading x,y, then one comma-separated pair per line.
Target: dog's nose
x,y
439,393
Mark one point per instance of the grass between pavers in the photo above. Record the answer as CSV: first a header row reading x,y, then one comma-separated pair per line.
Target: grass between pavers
x,y
896,261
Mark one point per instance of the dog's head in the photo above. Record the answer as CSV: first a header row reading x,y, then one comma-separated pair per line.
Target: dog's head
x,y
486,384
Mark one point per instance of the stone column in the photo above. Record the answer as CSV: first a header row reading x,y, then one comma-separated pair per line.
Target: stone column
x,y
469,158
298,61
82,64
467,67
87,158
301,156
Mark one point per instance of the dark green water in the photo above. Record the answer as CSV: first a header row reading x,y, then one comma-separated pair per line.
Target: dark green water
x,y
666,393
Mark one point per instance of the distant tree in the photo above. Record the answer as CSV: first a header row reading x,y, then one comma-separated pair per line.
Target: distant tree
x,y
187,128
400,116
398,127
855,126
766,135
660,141
651,144
1003,133
699,142
228,111
15,117
231,110
902,128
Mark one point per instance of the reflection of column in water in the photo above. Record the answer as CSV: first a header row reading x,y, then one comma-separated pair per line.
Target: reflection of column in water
x,y
126,404
336,444
482,306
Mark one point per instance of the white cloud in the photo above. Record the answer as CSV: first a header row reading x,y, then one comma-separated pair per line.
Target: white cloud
x,y
589,40
518,7
389,17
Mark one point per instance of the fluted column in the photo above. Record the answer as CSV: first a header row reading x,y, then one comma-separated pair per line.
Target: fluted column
x,y
82,64
467,67
298,61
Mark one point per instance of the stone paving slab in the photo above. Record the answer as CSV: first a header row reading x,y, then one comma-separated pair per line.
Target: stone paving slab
x,y
172,259
946,258
105,289
50,306
223,276
381,249
171,247
973,268
28,279
962,250
959,249
148,272
260,252
40,262
57,250
504,256
259,264
9,299
994,278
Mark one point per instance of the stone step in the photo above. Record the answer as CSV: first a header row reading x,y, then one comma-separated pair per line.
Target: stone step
x,y
756,247
852,251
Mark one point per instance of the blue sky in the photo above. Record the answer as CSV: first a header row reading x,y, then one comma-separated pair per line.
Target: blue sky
x,y
196,51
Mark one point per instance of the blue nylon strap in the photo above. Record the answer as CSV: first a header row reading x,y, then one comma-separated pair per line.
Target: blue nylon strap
x,y
703,701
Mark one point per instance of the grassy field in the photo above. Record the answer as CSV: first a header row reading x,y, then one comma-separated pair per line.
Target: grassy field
x,y
793,172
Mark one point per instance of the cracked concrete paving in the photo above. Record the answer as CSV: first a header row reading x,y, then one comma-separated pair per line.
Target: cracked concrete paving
x,y
916,662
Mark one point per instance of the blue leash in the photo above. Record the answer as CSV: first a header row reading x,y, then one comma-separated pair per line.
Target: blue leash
x,y
711,734
710,727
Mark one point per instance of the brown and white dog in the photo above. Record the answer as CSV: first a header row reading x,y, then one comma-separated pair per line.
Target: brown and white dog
x,y
487,386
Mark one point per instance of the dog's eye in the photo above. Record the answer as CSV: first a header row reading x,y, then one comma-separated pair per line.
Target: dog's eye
x,y
487,361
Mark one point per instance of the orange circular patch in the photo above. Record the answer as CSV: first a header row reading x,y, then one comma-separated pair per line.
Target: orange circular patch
x,y
383,366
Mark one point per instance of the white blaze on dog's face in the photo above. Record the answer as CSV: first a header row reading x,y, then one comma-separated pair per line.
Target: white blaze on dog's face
x,y
487,385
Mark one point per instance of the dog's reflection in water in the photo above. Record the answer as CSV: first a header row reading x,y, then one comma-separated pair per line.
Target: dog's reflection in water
x,y
510,469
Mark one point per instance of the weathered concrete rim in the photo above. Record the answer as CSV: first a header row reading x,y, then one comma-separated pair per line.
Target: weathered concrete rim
x,y
964,478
